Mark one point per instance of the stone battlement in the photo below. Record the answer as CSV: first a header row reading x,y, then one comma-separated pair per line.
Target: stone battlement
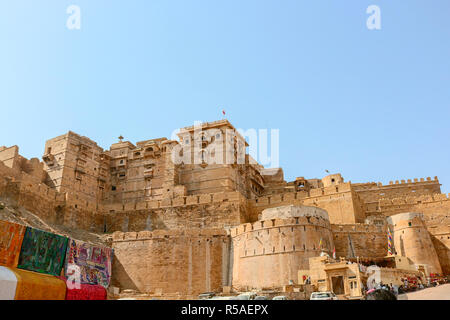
x,y
301,195
370,185
184,201
167,234
276,223
406,202
357,228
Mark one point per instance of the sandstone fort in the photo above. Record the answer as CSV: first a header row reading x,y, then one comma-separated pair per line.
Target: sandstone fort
x,y
181,224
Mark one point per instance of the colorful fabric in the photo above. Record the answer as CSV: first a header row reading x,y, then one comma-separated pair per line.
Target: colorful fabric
x,y
8,284
42,252
390,243
84,291
11,237
38,286
92,262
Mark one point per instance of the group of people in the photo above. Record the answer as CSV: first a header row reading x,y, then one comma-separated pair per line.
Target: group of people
x,y
395,289
378,290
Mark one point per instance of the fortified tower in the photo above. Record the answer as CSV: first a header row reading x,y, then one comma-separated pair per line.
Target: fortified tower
x,y
412,240
268,253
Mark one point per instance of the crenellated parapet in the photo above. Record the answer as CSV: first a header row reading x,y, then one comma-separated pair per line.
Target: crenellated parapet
x,y
289,197
279,223
168,234
409,203
184,201
358,228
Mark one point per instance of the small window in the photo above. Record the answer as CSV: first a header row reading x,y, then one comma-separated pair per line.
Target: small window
x,y
113,188
409,224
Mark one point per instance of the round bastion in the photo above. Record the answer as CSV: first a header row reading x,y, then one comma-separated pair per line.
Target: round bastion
x,y
269,252
412,240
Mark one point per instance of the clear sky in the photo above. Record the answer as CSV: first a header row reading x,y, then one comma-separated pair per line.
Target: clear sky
x,y
373,105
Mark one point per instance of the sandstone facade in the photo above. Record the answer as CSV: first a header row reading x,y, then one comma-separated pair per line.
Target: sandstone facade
x,y
133,190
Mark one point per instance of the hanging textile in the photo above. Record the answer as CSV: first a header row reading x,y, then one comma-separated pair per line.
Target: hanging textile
x,y
11,237
84,291
42,252
38,286
93,263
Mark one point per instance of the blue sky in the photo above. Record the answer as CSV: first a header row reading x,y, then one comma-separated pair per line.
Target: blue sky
x,y
373,105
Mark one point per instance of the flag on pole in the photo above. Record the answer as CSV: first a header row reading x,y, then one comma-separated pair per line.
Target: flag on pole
x,y
223,112
390,243
334,253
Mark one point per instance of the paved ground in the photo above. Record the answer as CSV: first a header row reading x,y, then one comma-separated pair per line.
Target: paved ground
x,y
441,292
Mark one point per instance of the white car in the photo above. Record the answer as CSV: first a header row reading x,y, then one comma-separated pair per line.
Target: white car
x,y
246,296
323,296
279,298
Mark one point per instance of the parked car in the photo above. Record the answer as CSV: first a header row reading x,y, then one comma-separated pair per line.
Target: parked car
x,y
323,296
246,296
260,298
206,295
222,298
280,298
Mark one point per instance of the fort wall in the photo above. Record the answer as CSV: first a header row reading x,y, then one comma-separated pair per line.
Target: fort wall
x,y
372,192
216,210
185,262
66,209
269,253
360,240
341,203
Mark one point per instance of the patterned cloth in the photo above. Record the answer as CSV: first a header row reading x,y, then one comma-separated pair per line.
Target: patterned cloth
x,y
92,262
11,237
42,252
85,291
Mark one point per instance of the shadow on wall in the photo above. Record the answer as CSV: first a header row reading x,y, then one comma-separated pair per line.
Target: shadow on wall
x,y
120,277
443,254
